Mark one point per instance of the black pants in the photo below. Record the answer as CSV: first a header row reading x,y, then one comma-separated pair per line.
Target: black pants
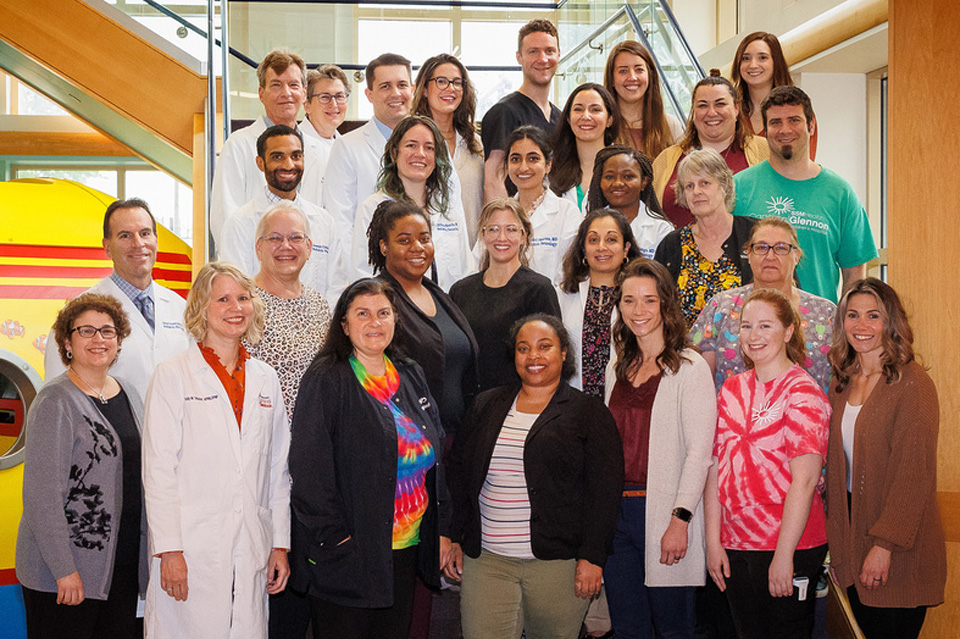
x,y
886,623
332,621
757,614
113,618
289,615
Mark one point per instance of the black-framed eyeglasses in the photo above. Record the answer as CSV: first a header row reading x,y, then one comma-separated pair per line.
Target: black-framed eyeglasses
x,y
86,331
275,239
327,98
780,248
443,82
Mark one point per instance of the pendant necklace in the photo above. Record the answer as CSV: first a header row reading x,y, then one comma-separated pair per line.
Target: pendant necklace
x,y
103,400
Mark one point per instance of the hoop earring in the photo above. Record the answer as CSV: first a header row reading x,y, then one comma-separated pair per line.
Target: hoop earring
x,y
69,354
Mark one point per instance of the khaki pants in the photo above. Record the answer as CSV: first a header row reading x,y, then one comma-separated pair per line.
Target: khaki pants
x,y
498,592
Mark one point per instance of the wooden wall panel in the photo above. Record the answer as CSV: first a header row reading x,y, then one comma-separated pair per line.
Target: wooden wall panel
x,y
924,233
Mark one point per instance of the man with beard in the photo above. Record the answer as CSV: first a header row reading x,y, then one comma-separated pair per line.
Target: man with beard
x,y
831,223
280,158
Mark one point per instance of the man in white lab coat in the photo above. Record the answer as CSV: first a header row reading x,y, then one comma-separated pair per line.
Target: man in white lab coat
x,y
280,158
155,312
237,180
354,162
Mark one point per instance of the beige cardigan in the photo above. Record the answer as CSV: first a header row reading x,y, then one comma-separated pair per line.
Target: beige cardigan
x,y
756,150
682,427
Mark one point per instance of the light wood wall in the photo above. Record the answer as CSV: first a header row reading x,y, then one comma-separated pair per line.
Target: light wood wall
x,y
924,233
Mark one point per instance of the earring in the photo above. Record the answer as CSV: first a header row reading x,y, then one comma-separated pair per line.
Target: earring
x,y
626,259
69,354
583,261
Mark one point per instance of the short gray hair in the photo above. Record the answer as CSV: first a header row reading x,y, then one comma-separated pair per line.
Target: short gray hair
x,y
710,163
282,207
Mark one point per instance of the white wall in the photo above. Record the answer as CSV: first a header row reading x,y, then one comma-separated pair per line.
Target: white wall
x,y
698,20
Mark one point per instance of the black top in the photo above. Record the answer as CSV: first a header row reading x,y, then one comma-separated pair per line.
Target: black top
x,y
118,412
343,467
573,465
510,112
669,254
457,358
419,338
492,311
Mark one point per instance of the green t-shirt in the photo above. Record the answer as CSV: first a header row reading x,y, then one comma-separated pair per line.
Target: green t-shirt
x,y
831,223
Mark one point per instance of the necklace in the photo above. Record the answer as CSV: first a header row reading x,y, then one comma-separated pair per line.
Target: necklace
x,y
103,400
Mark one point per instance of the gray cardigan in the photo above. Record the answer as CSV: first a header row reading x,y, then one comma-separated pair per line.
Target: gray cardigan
x,y
72,491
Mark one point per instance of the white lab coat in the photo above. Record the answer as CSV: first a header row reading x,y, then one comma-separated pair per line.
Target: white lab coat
x,y
648,231
237,178
323,146
451,245
555,223
469,169
572,306
325,271
143,349
219,493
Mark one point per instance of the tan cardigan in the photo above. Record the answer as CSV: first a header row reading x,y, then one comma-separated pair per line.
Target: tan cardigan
x,y
894,492
756,150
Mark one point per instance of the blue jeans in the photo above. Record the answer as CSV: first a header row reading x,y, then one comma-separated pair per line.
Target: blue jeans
x,y
635,609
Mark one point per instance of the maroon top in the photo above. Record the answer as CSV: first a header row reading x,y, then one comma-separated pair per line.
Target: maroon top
x,y
631,408
679,216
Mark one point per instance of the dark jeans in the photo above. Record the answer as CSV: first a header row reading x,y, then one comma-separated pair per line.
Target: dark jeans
x,y
289,615
332,621
757,614
886,623
113,618
636,609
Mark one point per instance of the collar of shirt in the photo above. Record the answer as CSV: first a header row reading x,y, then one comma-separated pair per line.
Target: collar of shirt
x,y
132,291
384,129
273,198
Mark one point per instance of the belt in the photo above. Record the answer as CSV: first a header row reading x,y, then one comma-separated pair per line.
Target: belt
x,y
634,493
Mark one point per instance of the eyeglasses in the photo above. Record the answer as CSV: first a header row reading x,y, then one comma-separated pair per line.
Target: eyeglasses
x,y
444,82
780,248
327,98
493,230
86,331
275,239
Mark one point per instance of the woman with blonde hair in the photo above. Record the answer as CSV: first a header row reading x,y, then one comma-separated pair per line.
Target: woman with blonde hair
x,y
631,77
215,478
883,523
504,290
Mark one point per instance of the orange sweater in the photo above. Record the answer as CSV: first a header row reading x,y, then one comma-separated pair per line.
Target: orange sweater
x,y
894,483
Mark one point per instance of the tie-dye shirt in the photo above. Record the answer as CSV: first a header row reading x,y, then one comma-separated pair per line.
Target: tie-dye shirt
x,y
415,456
760,428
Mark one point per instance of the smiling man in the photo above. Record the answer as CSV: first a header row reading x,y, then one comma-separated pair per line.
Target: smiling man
x,y
237,178
155,312
538,53
354,162
831,223
280,159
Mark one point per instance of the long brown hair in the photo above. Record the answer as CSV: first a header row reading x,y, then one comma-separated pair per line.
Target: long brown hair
x,y
656,129
781,71
565,173
897,337
691,137
675,340
437,191
787,315
463,116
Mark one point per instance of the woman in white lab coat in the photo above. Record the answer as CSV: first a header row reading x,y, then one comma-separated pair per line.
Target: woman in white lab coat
x,y
216,485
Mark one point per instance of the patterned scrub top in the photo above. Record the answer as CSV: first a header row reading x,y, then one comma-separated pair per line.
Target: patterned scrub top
x,y
595,347
700,279
718,330
294,331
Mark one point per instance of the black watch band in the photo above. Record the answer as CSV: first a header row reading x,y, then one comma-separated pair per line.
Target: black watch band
x,y
682,514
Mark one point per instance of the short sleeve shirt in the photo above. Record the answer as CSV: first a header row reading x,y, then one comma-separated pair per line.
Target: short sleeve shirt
x,y
510,112
717,330
831,223
760,428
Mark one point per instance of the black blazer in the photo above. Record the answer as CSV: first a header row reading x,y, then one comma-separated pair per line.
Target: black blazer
x,y
573,464
669,253
343,463
419,338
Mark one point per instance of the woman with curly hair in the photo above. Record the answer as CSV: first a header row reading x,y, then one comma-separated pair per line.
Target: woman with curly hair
x,y
444,93
416,169
883,524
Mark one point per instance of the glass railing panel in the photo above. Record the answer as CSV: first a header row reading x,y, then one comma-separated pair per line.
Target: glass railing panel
x,y
182,24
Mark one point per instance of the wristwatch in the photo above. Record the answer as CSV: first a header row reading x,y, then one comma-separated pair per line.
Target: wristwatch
x,y
682,514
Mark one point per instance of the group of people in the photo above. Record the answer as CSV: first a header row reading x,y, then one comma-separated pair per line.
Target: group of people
x,y
578,401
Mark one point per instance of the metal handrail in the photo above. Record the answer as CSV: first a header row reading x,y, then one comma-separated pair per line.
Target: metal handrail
x,y
683,39
483,4
586,41
632,16
192,27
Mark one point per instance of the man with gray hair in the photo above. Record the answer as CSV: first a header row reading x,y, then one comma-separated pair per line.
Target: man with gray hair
x,y
282,76
280,158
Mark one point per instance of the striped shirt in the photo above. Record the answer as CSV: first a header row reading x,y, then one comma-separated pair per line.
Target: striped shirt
x,y
504,502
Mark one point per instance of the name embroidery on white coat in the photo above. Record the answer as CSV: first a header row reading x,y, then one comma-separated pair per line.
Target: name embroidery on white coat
x,y
266,402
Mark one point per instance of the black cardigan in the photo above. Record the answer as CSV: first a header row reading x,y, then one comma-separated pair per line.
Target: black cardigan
x,y
343,464
573,464
418,337
669,253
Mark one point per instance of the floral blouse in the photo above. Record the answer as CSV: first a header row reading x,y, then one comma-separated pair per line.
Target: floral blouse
x,y
700,279
596,337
